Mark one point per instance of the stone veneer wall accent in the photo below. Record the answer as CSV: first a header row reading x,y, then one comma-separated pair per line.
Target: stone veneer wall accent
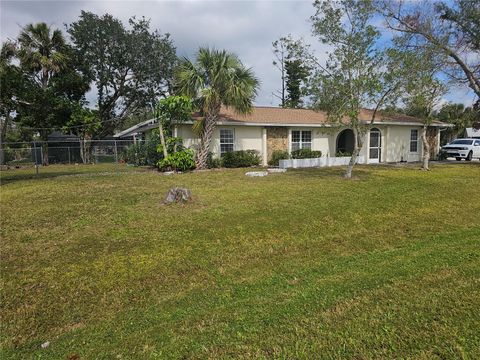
x,y
277,139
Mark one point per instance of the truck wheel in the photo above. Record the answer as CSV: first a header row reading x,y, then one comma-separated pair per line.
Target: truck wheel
x,y
469,156
458,158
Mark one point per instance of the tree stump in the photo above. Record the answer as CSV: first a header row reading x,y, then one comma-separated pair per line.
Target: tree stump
x,y
176,195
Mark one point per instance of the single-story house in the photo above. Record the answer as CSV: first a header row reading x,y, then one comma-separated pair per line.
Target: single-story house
x,y
391,138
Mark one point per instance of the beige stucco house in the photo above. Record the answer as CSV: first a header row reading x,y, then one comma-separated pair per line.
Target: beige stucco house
x,y
391,138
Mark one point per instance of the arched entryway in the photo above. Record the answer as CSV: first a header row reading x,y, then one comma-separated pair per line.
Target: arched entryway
x,y
345,142
375,150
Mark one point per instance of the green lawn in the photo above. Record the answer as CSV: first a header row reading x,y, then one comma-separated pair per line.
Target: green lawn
x,y
297,265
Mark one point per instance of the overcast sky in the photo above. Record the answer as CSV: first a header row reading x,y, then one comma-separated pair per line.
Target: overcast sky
x,y
246,28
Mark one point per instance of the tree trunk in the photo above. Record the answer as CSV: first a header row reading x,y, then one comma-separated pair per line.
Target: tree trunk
x,y
162,139
45,161
426,149
82,151
85,149
205,141
3,134
357,147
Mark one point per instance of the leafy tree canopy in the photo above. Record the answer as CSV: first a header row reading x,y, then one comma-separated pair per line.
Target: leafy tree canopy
x,y
131,68
451,29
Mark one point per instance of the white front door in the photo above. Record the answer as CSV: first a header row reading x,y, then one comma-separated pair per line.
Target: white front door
x,y
375,146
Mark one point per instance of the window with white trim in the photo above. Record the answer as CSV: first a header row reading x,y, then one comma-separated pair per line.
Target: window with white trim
x,y
301,139
227,141
414,140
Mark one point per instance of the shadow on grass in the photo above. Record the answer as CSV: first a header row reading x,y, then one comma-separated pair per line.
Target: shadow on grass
x,y
55,171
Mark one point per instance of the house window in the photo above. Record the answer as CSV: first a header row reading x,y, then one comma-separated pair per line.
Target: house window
x,y
301,140
227,141
414,140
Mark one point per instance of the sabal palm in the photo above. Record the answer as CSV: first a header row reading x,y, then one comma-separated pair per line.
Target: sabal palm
x,y
216,78
41,51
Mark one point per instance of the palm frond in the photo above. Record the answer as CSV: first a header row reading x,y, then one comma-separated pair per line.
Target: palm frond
x,y
218,78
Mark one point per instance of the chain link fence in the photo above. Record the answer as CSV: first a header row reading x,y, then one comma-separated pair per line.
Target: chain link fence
x,y
36,154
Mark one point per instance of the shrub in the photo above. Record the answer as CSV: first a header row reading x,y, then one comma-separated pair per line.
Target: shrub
x,y
143,153
134,154
442,155
212,162
173,144
242,158
181,160
306,154
343,153
278,155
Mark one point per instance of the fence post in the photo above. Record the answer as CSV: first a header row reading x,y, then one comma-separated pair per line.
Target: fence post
x,y
116,153
69,155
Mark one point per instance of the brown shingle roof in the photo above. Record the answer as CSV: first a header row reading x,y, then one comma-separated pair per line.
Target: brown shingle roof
x,y
281,116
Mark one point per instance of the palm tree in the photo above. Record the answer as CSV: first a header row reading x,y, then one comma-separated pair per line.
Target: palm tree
x,y
9,80
42,54
216,78
41,51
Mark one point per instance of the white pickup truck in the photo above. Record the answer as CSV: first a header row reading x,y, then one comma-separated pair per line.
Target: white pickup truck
x,y
467,149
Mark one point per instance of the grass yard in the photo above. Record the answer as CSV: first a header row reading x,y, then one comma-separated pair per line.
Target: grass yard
x,y
296,265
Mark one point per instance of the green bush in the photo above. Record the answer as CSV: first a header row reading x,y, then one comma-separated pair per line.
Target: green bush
x,y
143,153
18,155
180,161
442,155
242,158
278,155
173,144
306,154
343,154
212,162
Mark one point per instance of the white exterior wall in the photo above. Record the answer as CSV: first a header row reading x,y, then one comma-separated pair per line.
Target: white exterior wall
x,y
398,144
190,139
321,142
395,140
246,138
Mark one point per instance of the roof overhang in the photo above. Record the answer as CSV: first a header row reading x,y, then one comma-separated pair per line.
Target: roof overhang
x,y
137,129
327,125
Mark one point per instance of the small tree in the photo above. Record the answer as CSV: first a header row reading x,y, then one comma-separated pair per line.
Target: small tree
x,y
172,108
292,59
357,74
84,123
297,75
421,87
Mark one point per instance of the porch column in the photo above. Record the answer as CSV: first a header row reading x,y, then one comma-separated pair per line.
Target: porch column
x,y
384,145
264,147
366,147
175,131
289,140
